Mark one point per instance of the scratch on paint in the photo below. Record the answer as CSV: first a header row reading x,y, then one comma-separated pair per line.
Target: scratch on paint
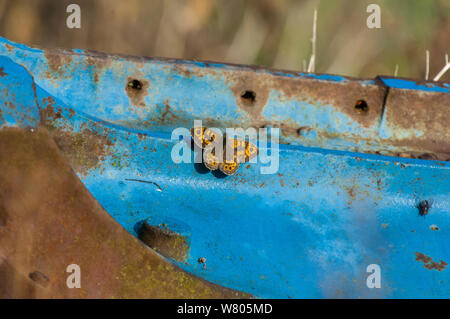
x,y
142,181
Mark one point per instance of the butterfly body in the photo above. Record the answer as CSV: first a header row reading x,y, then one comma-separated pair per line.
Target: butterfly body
x,y
424,207
232,151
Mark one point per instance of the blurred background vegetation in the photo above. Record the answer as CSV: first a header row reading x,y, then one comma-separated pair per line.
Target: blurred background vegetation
x,y
271,33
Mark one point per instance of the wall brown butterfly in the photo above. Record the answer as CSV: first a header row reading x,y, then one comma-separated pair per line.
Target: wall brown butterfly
x,y
242,151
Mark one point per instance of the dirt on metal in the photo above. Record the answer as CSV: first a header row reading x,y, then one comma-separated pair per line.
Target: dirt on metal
x,y
56,61
420,122
428,262
83,150
165,241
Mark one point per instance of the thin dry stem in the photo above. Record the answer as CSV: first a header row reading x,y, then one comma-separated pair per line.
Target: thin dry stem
x,y
312,61
442,72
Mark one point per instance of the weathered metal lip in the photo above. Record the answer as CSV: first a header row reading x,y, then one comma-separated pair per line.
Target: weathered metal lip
x,y
236,66
209,63
314,110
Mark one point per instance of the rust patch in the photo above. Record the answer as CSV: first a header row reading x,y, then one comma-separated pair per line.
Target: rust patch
x,y
97,64
165,241
137,91
183,70
9,47
167,113
343,96
94,61
419,121
72,112
83,150
251,92
2,72
56,61
428,262
351,194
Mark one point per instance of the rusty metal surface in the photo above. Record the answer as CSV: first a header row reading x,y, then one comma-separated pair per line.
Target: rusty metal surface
x,y
417,120
308,231
49,221
166,241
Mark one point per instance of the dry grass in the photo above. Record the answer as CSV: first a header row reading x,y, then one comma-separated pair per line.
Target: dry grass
x,y
263,32
444,69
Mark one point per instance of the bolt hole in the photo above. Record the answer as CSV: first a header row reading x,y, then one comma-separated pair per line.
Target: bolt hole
x,y
361,106
303,130
248,97
427,156
135,85
39,277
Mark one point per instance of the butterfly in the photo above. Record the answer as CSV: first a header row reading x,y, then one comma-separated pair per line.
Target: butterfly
x,y
424,206
242,151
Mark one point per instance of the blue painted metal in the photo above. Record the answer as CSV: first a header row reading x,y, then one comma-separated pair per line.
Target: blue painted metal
x,y
18,98
308,231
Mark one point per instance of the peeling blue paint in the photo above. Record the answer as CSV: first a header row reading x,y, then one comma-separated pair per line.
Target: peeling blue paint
x,y
17,96
412,85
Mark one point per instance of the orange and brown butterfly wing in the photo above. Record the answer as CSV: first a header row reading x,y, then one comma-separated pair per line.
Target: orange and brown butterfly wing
x,y
210,160
243,151
197,135
228,167
251,151
230,163
203,136
238,150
